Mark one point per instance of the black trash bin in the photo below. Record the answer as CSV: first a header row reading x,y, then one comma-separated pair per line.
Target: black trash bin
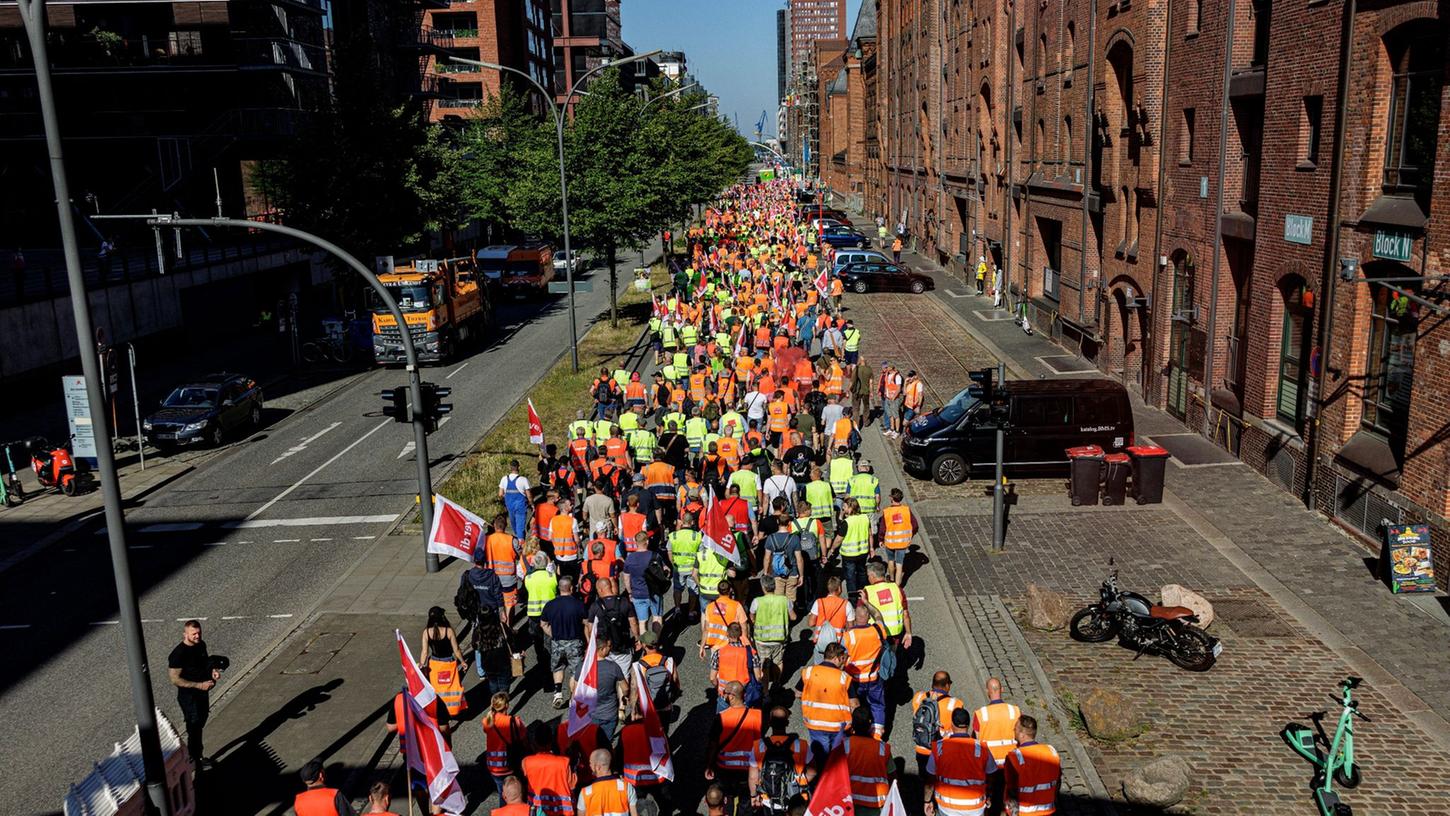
x,y
1116,467
1149,462
1085,473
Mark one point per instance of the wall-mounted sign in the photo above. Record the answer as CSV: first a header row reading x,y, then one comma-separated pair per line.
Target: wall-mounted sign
x,y
1298,229
1406,558
1393,246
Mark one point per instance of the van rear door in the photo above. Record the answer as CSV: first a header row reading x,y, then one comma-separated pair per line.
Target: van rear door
x,y
1042,429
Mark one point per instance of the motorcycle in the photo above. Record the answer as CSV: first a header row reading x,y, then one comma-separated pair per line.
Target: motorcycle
x,y
54,467
1146,626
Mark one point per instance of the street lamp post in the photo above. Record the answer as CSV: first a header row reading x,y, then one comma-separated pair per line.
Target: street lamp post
x,y
558,111
128,611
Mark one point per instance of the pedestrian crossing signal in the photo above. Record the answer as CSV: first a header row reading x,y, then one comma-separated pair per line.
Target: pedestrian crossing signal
x,y
981,387
395,404
434,409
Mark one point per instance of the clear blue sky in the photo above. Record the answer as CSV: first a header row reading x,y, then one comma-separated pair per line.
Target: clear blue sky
x,y
730,46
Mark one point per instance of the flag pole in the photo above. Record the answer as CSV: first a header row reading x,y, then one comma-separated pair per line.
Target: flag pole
x,y
407,766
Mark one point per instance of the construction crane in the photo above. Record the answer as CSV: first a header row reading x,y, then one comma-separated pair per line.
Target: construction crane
x,y
760,127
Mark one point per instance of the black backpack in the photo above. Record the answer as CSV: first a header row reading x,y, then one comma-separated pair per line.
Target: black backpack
x,y
777,771
657,576
616,622
465,600
926,723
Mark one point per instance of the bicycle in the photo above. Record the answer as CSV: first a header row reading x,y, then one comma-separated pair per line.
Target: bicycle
x,y
1337,765
332,347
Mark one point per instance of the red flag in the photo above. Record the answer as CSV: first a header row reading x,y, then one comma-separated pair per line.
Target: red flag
x,y
429,754
586,691
456,531
894,805
821,281
418,686
659,744
833,788
716,530
536,426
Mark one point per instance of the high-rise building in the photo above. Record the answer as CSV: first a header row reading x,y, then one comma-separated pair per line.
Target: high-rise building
x,y
507,32
586,34
782,54
673,65
813,20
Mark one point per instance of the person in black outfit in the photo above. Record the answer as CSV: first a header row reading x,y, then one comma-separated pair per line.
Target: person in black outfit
x,y
191,672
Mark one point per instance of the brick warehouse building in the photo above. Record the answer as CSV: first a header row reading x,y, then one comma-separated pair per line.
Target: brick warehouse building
x,y
1049,137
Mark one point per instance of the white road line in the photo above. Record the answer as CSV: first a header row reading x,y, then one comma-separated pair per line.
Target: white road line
x,y
286,540
280,496
104,623
153,620
455,371
916,598
311,521
218,543
235,617
279,616
9,626
950,293
407,449
321,539
301,446
241,542
183,620
363,538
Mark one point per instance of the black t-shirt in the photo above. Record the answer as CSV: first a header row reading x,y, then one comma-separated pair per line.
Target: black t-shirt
x,y
194,662
613,613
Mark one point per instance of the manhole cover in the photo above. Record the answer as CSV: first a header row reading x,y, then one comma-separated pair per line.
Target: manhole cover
x,y
1249,618
319,652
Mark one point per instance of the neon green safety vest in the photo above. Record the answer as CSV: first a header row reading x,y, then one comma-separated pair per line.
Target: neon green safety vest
x,y
858,536
668,371
642,443
735,422
772,618
853,339
684,545
676,418
584,425
621,378
821,499
667,336
682,363
628,421
722,339
711,566
695,430
541,587
865,489
709,437
655,325
840,474
748,483
689,334
602,429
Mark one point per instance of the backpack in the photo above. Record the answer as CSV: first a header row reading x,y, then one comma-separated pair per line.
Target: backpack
x,y
853,440
657,683
810,545
656,576
465,600
926,723
616,623
603,392
779,559
777,771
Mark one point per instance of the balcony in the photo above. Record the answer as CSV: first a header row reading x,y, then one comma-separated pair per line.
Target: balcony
x,y
281,53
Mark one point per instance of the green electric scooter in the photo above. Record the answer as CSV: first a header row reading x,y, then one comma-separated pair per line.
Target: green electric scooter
x,y
11,493
1337,764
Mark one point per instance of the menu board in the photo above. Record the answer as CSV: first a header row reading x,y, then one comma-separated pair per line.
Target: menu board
x,y
1406,558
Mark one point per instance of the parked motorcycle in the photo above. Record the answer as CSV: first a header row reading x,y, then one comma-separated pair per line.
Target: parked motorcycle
x,y
1146,626
54,467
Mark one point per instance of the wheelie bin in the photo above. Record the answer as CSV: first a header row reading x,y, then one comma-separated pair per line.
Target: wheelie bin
x,y
1085,473
1149,462
1116,467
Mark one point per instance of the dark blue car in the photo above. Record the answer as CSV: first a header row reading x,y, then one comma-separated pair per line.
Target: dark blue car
x,y
205,412
843,236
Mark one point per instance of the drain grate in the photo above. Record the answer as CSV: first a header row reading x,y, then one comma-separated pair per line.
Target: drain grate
x,y
1250,618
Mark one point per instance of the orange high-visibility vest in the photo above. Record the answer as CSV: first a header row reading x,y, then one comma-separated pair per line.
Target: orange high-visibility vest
x,y
960,780
890,386
825,704
551,783
544,513
697,386
914,393
499,735
634,745
863,646
677,397
501,555
766,383
659,473
316,802
779,416
617,450
867,759
995,725
729,449
561,532
945,705
832,611
579,451
718,616
896,518
804,373
799,749
742,726
732,665
841,432
1033,772
725,388
634,391
607,797
835,380
762,334
631,524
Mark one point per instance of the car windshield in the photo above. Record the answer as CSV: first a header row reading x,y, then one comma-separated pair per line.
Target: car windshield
x,y
959,406
412,297
191,396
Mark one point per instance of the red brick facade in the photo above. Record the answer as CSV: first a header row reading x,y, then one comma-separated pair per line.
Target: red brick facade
x,y
1166,212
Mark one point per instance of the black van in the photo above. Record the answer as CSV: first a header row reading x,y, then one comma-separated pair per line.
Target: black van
x,y
1046,417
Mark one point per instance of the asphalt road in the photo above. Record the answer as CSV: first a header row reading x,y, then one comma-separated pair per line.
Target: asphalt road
x,y
245,543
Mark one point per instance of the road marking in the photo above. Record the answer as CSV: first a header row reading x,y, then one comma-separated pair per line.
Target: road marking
x,y
218,543
408,448
234,617
950,293
9,626
321,539
153,620
310,521
183,620
916,598
363,538
286,540
301,446
104,623
280,496
279,616
455,371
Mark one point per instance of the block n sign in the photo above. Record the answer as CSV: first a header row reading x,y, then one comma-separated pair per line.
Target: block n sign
x,y
1298,229
1393,246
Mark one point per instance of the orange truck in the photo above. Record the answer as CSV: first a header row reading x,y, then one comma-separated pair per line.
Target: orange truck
x,y
520,270
445,303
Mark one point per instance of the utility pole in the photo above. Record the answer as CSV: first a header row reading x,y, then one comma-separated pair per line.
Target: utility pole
x,y
128,611
999,488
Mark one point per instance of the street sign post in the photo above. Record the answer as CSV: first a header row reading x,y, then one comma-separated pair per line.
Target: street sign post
x,y
78,416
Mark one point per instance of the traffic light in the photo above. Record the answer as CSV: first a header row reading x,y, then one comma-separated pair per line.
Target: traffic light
x,y
395,404
434,408
981,386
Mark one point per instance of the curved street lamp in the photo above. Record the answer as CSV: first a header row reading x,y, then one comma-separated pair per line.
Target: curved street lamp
x,y
559,111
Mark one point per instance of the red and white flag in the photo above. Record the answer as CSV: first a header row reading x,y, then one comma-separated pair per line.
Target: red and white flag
x,y
586,691
716,529
418,686
833,788
821,281
456,531
536,426
429,754
659,744
894,805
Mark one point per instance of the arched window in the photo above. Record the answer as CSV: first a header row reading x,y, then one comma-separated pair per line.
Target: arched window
x,y
1068,46
1066,147
1417,63
1120,60
1042,55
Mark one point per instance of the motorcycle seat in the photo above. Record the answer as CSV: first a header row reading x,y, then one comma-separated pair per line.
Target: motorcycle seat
x,y
1170,612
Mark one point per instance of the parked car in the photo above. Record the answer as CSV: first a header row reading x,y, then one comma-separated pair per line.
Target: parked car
x,y
563,264
823,223
843,236
851,256
205,412
1045,418
883,276
823,212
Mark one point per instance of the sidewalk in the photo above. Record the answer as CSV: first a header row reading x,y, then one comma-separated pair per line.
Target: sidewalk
x,y
1277,574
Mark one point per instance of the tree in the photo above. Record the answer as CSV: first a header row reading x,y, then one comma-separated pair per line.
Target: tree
x,y
506,168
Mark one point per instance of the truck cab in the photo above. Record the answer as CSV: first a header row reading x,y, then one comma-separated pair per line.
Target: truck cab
x,y
444,304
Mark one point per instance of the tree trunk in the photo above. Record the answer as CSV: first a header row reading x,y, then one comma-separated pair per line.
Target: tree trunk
x,y
613,289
